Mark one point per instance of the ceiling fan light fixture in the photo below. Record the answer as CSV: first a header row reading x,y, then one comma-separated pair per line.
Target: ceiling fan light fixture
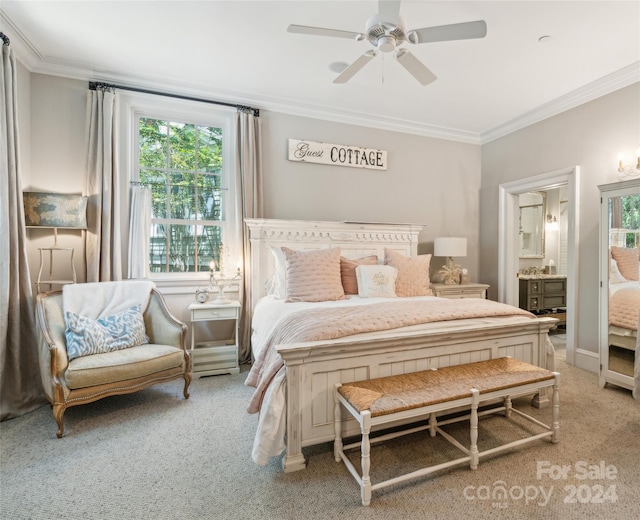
x,y
386,44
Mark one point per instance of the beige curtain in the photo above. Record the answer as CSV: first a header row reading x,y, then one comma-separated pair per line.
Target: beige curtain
x,y
20,385
103,241
139,232
249,197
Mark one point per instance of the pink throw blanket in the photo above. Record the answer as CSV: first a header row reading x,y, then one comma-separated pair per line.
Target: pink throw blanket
x,y
338,322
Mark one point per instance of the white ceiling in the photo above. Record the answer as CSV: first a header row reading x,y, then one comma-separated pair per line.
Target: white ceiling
x,y
241,51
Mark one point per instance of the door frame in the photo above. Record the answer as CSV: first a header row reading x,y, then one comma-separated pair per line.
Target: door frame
x,y
508,241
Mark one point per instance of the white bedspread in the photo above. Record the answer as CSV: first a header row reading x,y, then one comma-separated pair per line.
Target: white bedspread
x,y
269,313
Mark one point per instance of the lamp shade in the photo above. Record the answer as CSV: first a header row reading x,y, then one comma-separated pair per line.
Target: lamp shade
x,y
450,246
55,210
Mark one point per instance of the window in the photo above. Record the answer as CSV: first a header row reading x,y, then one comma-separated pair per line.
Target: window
x,y
183,158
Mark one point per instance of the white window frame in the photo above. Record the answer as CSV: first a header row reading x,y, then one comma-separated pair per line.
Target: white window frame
x,y
131,107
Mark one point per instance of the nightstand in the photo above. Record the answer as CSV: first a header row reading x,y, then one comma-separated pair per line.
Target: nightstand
x,y
214,357
467,290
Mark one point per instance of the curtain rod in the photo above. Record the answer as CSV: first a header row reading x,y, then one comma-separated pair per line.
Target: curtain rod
x,y
5,39
94,85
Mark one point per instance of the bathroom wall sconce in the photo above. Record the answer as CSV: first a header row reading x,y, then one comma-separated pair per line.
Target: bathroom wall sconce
x,y
552,223
629,171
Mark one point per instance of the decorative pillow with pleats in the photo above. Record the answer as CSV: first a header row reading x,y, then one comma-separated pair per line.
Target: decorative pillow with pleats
x,y
627,260
313,276
413,273
86,336
348,271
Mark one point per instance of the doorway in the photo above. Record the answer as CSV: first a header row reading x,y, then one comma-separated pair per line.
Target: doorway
x,y
508,241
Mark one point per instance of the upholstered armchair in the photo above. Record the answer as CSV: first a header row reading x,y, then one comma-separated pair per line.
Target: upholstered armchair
x,y
89,377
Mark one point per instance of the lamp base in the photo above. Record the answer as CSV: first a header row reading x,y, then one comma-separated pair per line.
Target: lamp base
x,y
220,299
450,273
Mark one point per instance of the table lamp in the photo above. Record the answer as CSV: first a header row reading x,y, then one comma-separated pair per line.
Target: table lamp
x,y
450,247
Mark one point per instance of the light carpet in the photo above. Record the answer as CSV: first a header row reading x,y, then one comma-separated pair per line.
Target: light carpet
x,y
155,455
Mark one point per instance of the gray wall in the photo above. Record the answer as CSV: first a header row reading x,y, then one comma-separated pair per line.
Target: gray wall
x,y
450,187
590,136
429,181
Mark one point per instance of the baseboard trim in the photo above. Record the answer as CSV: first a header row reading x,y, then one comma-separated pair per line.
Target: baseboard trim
x,y
587,360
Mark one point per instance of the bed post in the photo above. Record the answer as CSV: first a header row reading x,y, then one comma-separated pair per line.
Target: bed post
x,y
546,359
293,458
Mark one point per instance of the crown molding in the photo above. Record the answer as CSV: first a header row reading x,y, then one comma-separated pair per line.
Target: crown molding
x,y
25,51
601,87
28,54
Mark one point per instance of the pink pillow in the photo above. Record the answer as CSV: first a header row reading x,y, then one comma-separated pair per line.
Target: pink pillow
x,y
627,260
413,273
348,271
313,276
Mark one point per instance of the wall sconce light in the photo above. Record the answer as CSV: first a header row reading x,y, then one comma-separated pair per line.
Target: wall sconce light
x,y
629,171
552,223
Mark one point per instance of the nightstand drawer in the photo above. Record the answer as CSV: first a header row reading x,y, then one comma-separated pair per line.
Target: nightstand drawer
x,y
469,293
215,313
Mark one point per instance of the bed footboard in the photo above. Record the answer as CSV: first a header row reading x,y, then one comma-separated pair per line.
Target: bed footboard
x,y
314,368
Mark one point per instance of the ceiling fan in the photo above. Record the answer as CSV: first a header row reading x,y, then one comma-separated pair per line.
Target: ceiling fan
x,y
387,30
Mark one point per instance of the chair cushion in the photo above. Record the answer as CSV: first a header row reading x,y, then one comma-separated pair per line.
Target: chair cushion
x,y
122,365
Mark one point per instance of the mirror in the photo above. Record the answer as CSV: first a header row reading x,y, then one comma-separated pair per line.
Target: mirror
x,y
620,272
531,222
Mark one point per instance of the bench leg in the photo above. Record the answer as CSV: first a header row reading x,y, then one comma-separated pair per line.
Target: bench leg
x,y
473,450
337,418
507,406
365,449
555,410
433,423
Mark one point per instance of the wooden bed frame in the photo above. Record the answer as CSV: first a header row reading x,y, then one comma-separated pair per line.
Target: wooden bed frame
x,y
314,368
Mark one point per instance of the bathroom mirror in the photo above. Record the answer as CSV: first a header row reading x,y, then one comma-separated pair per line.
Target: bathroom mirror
x,y
531,224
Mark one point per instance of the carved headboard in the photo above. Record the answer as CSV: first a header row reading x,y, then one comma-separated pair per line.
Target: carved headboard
x,y
355,240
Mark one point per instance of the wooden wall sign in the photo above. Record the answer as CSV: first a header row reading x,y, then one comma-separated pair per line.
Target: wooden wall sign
x,y
337,155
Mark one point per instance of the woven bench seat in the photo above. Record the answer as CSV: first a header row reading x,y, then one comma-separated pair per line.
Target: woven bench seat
x,y
420,395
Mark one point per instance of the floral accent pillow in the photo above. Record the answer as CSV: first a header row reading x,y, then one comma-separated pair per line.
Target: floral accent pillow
x,y
86,336
376,281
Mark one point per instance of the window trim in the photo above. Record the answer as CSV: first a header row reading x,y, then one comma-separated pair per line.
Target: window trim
x,y
130,107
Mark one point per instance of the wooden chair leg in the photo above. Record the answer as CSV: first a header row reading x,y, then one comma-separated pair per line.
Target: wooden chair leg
x,y
187,382
58,413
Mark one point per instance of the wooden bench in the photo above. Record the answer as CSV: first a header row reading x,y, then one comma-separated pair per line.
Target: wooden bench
x,y
420,395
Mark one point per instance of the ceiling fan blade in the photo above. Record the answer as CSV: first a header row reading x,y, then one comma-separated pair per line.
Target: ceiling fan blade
x,y
415,67
389,11
355,67
442,33
320,31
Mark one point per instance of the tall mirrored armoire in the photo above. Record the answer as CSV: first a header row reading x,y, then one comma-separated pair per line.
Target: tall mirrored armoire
x,y
619,281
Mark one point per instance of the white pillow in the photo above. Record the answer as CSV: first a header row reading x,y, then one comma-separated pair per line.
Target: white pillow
x,y
279,287
376,281
614,272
